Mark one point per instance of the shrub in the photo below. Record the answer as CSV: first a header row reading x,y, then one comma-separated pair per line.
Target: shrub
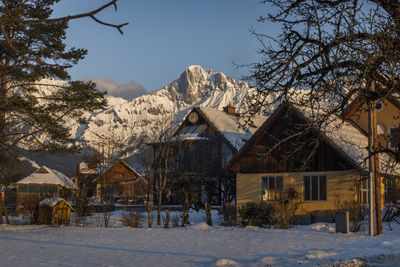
x,y
285,207
175,220
257,214
131,218
228,212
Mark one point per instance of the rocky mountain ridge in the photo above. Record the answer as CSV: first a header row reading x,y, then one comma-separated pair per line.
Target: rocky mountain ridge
x,y
141,119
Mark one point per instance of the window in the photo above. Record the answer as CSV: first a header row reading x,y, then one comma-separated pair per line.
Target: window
x,y
23,188
52,188
315,187
394,135
33,188
271,187
364,191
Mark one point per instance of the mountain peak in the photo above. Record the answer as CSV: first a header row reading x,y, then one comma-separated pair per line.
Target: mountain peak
x,y
194,68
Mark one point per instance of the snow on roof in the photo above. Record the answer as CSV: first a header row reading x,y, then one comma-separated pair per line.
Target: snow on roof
x,y
45,175
51,201
234,128
85,169
351,141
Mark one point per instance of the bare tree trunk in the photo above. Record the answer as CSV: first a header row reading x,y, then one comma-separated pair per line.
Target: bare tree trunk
x,y
207,208
159,207
4,210
166,223
1,217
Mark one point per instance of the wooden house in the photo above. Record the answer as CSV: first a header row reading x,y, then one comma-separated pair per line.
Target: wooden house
x,y
44,183
388,131
54,210
127,185
204,142
325,165
388,119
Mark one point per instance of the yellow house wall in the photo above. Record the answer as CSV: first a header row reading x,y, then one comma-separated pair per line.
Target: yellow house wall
x,y
340,186
389,116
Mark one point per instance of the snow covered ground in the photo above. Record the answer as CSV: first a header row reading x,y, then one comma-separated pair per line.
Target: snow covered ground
x,y
196,245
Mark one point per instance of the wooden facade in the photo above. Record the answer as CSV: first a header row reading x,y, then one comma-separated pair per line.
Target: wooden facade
x,y
43,183
388,122
200,150
388,119
54,211
127,185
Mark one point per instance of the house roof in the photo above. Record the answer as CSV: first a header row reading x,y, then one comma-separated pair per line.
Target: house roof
x,y
84,168
53,201
45,175
341,134
357,103
234,128
125,165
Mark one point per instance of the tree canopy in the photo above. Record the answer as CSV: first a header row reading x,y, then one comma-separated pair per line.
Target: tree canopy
x,y
37,96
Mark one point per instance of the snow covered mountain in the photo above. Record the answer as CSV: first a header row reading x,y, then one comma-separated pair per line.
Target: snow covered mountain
x,y
141,118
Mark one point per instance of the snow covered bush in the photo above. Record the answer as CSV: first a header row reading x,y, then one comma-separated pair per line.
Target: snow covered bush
x,y
257,214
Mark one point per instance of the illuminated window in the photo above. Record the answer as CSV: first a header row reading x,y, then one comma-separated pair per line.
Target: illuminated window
x,y
271,187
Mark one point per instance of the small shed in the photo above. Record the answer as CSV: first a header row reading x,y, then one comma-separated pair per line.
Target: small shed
x,y
54,211
44,183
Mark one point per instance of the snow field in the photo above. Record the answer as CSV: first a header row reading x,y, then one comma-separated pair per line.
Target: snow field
x,y
195,245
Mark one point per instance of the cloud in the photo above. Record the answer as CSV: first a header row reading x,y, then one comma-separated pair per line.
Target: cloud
x,y
127,91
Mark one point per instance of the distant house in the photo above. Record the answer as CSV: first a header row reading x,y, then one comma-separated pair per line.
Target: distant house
x,y
44,183
127,185
325,166
204,142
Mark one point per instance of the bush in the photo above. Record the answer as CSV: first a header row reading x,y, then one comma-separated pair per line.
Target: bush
x,y
131,218
285,207
257,214
228,212
175,220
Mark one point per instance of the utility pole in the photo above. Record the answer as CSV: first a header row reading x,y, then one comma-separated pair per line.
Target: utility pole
x,y
374,179
371,157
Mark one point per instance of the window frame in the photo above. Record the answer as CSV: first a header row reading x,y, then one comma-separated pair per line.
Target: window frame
x,y
310,184
265,186
363,188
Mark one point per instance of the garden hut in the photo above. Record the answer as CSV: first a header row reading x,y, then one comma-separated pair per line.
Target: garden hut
x,y
54,211
43,183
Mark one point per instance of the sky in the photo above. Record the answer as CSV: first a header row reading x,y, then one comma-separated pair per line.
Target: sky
x,y
162,39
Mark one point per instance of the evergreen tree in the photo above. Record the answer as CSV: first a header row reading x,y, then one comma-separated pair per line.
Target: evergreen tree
x,y
32,48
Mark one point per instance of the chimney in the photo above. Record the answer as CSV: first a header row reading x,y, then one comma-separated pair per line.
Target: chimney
x,y
230,110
